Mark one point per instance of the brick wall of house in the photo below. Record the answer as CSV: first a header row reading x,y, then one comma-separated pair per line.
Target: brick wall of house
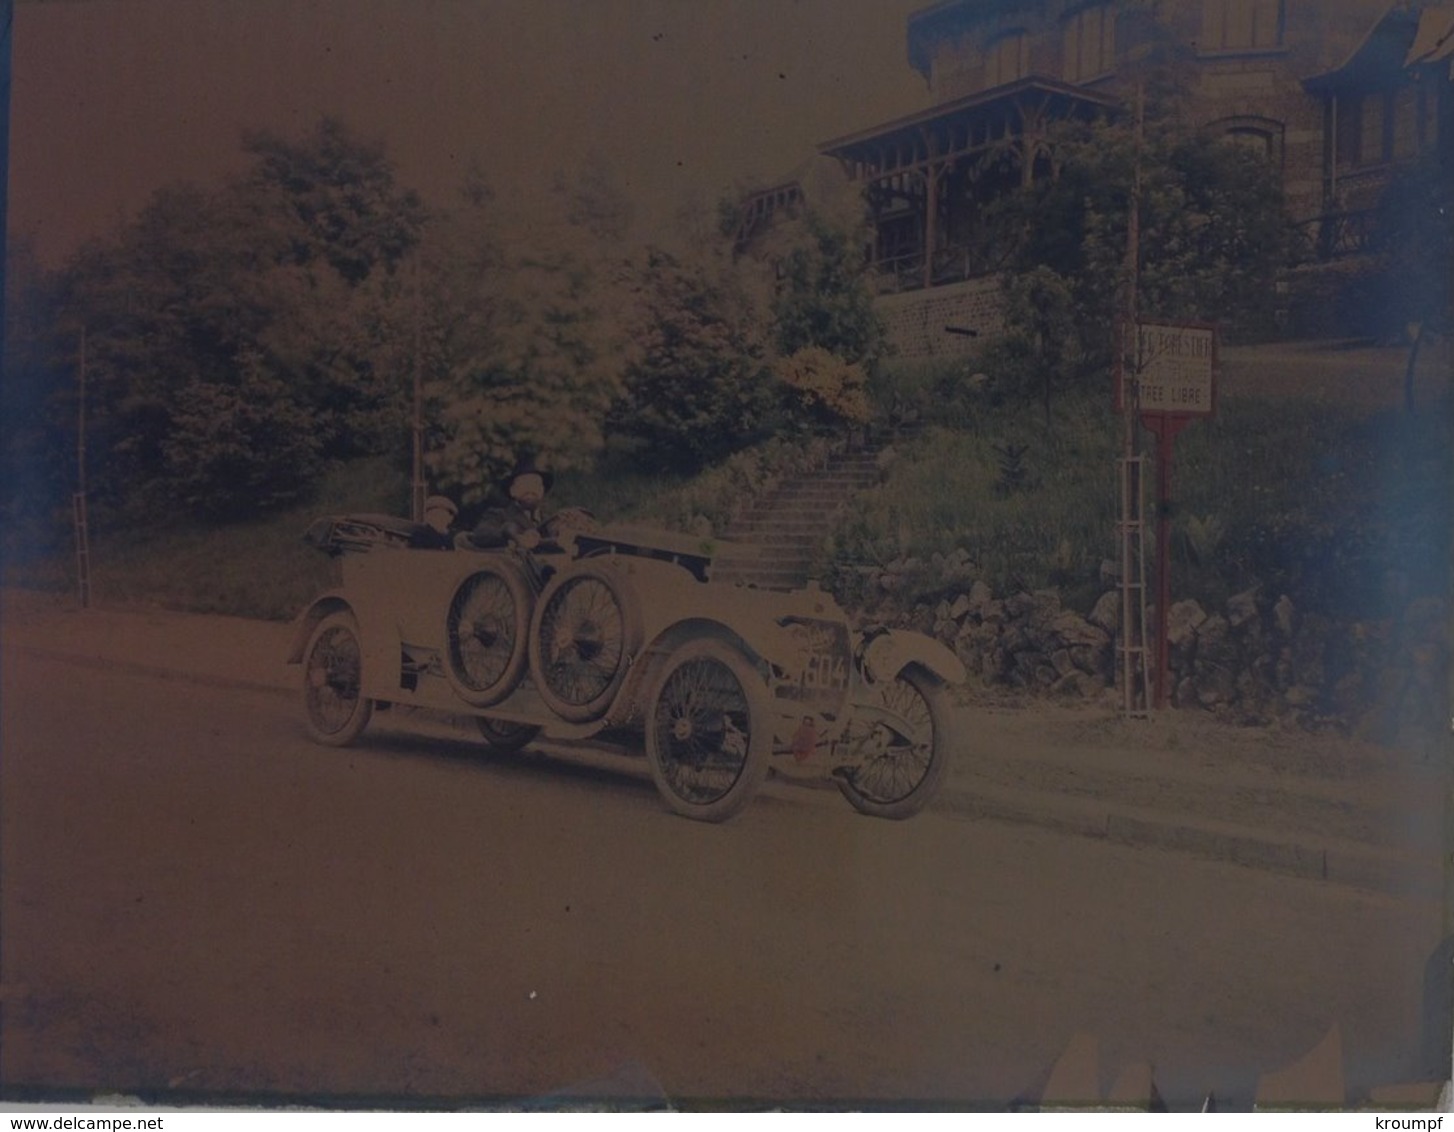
x,y
1252,91
1262,90
915,320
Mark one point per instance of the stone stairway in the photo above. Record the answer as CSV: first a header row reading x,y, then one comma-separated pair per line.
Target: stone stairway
x,y
773,544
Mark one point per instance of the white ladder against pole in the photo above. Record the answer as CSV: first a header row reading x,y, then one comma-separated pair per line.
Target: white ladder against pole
x,y
1135,669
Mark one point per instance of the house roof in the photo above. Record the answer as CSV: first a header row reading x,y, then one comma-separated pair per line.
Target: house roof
x,y
1379,56
1000,101
1435,38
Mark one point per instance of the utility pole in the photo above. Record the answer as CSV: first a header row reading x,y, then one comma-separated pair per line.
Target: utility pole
x,y
416,493
78,501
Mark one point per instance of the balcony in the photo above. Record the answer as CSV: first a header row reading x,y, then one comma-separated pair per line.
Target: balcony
x,y
1340,235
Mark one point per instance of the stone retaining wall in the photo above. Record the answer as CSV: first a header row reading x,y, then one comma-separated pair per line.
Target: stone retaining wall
x,y
1255,661
915,320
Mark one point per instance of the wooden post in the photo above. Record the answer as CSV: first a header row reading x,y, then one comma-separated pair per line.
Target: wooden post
x,y
416,494
931,210
78,504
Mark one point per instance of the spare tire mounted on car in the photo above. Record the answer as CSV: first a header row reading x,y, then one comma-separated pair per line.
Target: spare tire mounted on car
x,y
584,635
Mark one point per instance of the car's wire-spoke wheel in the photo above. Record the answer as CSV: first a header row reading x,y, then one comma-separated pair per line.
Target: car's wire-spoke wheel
x,y
334,706
708,737
904,754
584,635
485,635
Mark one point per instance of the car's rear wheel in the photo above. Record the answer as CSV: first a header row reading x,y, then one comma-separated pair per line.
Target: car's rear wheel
x,y
503,737
584,634
905,750
708,732
486,630
335,709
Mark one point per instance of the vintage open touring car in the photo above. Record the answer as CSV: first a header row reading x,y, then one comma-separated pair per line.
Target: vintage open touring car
x,y
612,631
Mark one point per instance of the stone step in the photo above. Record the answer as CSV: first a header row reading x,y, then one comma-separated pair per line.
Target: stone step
x,y
771,537
766,561
776,552
806,519
797,511
786,530
837,478
777,532
799,536
815,493
763,580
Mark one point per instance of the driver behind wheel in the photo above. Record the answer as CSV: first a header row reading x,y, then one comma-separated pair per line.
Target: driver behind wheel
x,y
520,521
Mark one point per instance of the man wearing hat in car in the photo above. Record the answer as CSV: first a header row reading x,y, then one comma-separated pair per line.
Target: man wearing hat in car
x,y
520,520
436,532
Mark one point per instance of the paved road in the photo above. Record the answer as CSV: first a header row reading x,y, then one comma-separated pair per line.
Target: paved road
x,y
194,897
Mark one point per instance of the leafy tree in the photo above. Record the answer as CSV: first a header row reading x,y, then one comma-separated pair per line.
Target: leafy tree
x,y
816,274
1413,239
1214,236
523,353
333,198
239,447
699,386
288,271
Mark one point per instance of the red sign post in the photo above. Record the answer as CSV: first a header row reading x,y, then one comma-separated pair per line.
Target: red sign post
x,y
1176,382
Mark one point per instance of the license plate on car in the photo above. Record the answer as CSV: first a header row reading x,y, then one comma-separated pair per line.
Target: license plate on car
x,y
818,667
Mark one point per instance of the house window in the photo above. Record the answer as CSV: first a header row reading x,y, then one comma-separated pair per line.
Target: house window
x,y
1254,134
1007,59
1241,25
1258,142
1090,43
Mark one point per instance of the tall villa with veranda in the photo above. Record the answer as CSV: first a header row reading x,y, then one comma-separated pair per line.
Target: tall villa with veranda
x,y
1335,94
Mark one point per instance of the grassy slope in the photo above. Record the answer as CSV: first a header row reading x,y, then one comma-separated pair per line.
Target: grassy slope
x,y
259,568
1326,500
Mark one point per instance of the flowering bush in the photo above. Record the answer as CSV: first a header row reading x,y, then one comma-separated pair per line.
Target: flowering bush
x,y
822,390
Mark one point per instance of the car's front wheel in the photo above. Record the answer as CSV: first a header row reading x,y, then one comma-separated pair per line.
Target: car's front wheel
x,y
708,732
335,709
904,748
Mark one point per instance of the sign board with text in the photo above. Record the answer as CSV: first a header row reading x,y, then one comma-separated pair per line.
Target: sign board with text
x,y
1176,364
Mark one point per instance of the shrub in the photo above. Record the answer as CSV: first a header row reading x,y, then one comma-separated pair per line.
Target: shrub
x,y
823,391
699,387
238,451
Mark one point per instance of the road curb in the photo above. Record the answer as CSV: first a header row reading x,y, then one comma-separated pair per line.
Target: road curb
x,y
1374,869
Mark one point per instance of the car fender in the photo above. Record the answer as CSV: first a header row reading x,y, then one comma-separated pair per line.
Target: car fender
x,y
889,653
378,638
307,621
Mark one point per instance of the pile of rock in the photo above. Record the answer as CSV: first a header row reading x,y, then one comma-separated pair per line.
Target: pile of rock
x,y
1262,660
1029,640
1255,660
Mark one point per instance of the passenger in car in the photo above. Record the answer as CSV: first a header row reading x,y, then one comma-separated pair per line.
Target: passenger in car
x,y
436,532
